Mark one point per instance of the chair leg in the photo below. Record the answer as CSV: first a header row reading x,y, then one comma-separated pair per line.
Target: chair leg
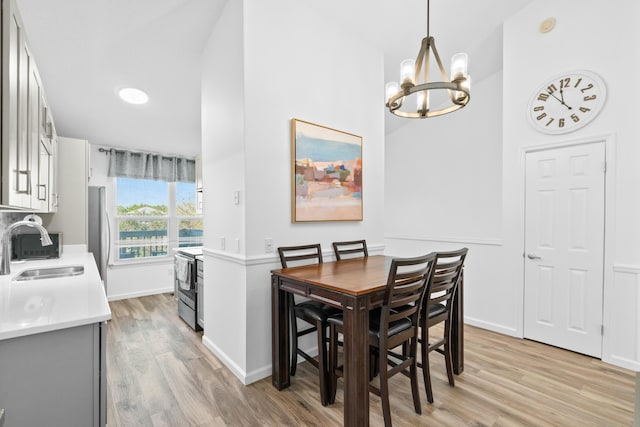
x,y
426,375
374,363
384,389
333,362
322,363
447,353
413,371
294,339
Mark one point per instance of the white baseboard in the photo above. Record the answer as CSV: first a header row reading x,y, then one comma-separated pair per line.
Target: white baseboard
x,y
501,329
622,362
244,377
139,294
228,362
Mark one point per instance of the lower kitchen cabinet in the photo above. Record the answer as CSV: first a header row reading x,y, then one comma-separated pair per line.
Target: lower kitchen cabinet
x,y
55,378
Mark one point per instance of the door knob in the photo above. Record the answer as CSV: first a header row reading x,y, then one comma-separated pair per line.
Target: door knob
x,y
533,256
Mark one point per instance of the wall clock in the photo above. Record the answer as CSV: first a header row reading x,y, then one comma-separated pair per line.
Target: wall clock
x,y
567,102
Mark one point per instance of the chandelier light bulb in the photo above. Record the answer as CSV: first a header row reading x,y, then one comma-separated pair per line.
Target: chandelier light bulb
x,y
407,72
459,63
391,89
422,102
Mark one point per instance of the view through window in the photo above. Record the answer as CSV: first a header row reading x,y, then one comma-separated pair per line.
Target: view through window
x,y
154,216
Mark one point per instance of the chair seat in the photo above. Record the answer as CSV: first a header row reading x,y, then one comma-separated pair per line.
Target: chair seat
x,y
374,324
436,309
314,311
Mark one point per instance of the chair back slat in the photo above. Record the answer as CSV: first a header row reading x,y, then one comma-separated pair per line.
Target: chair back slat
x,y
349,248
446,275
293,254
406,285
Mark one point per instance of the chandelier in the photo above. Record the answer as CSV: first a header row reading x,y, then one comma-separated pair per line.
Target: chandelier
x,y
414,83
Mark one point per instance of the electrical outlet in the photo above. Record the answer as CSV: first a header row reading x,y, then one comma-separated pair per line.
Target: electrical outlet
x,y
237,245
222,243
268,245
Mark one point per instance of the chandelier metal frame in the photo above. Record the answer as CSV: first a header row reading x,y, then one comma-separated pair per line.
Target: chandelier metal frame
x,y
457,87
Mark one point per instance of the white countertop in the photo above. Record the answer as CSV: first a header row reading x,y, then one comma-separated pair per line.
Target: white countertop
x,y
43,305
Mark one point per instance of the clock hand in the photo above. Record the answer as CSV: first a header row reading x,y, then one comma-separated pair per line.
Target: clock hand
x,y
561,101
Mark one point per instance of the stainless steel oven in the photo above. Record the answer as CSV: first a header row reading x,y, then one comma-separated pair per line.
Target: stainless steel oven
x,y
186,288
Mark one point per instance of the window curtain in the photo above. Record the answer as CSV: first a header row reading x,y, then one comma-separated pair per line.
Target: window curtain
x,y
130,164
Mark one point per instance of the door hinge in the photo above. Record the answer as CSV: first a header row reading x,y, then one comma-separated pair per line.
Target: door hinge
x,y
604,167
601,330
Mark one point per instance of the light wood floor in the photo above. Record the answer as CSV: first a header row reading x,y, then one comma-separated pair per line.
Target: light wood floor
x,y
160,374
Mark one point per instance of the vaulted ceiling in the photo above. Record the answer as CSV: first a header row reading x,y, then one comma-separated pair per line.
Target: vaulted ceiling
x,y
87,49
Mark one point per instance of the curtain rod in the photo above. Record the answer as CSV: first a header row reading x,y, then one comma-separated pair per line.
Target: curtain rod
x,y
110,150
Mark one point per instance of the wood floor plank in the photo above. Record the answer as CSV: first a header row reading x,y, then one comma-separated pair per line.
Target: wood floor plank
x,y
160,374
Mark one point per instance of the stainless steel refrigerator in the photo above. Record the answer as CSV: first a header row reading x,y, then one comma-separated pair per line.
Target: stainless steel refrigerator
x,y
99,230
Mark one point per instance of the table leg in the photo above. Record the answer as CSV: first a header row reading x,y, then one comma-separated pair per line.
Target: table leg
x,y
457,329
280,377
356,363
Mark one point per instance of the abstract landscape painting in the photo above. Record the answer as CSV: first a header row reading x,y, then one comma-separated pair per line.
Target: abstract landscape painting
x,y
327,174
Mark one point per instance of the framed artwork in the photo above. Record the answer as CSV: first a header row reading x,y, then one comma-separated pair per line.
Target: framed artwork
x,y
326,174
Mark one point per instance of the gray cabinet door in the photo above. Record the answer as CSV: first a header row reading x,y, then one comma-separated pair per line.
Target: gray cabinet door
x,y
53,378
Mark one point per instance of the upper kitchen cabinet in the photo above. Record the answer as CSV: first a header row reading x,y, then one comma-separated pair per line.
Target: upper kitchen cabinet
x,y
28,133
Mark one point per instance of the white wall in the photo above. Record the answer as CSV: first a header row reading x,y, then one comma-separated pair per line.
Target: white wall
x,y
295,64
223,171
603,40
487,208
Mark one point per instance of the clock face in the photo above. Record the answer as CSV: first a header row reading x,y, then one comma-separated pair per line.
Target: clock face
x,y
567,102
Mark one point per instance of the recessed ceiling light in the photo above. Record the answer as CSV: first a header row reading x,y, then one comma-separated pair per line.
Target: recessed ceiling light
x,y
133,95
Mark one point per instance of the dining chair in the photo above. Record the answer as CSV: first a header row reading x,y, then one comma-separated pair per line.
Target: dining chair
x,y
314,313
350,249
390,327
437,307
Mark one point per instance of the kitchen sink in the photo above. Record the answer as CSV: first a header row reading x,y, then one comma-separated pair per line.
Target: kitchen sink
x,y
50,272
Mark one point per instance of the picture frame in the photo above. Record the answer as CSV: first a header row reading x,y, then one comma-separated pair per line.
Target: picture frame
x,y
326,173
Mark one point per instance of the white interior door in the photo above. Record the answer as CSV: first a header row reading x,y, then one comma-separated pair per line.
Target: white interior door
x,y
564,247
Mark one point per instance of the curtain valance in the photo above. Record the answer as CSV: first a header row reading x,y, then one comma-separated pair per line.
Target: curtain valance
x,y
131,164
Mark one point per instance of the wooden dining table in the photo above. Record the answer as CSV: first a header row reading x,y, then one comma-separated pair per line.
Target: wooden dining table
x,y
355,286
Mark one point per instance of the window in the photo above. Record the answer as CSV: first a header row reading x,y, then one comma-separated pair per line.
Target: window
x,y
155,216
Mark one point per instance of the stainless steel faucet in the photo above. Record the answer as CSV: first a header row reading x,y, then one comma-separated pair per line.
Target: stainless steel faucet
x,y
5,266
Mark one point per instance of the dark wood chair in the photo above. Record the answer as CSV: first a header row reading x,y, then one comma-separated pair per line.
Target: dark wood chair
x,y
351,249
437,308
393,325
314,313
